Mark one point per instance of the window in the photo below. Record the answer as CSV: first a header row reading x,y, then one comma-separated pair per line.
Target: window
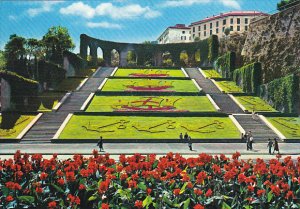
x,y
194,29
183,32
238,21
246,20
210,32
205,27
199,28
181,38
193,35
217,24
238,28
199,34
217,30
223,29
204,33
246,28
211,25
224,22
231,21
231,28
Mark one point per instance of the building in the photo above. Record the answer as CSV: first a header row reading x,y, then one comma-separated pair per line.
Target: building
x,y
237,21
175,34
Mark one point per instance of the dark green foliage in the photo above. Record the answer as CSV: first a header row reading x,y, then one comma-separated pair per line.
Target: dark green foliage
x,y
213,48
249,77
51,73
284,4
282,93
225,65
76,61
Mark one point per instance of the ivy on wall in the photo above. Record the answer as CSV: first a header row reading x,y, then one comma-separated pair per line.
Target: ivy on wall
x,y
249,77
282,93
77,62
213,48
51,73
225,65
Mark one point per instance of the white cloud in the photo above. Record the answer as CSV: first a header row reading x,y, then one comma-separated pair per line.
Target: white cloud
x,y
231,3
79,9
46,6
179,3
103,25
108,9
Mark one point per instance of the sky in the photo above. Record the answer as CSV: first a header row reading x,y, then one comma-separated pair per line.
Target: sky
x,y
132,21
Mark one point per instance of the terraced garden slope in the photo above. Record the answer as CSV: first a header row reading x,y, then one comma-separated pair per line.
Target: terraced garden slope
x,y
229,87
164,73
288,126
255,104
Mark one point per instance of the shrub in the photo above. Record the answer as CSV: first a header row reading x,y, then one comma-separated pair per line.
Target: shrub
x,y
213,43
249,77
225,65
51,73
282,93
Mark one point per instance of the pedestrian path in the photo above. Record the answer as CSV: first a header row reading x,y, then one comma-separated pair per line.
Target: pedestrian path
x,y
46,127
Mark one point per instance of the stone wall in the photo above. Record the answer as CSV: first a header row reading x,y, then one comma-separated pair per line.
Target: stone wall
x,y
275,42
5,95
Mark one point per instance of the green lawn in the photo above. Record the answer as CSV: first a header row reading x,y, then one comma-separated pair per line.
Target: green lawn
x,y
229,87
154,85
132,127
12,125
149,73
150,104
255,103
211,74
288,126
69,84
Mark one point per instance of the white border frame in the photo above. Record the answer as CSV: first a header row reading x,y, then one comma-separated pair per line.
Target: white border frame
x,y
63,125
114,71
198,87
81,84
57,106
273,128
86,102
202,73
29,126
238,103
213,103
102,84
237,124
184,72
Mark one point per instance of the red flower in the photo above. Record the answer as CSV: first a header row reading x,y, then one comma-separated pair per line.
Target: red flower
x,y
39,190
61,181
250,188
43,176
104,206
198,206
208,193
9,198
176,192
81,187
198,192
148,191
70,176
13,186
241,178
138,204
189,185
201,177
103,186
261,192
236,156
52,205
132,184
275,190
290,195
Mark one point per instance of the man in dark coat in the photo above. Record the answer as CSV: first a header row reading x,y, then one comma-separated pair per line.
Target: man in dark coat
x,y
100,144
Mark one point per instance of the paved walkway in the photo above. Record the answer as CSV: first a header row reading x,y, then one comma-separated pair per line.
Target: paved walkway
x,y
46,127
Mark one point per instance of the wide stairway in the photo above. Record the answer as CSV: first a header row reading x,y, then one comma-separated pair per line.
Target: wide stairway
x,y
49,123
260,131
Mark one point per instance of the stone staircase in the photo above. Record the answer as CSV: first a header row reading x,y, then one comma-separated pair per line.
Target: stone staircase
x,y
226,104
260,131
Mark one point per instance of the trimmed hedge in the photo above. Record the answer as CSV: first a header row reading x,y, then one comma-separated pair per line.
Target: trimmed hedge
x,y
213,48
51,73
225,65
282,93
249,77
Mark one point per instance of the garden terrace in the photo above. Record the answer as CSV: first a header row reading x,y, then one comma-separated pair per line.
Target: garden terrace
x,y
144,73
211,74
288,126
150,104
229,87
256,104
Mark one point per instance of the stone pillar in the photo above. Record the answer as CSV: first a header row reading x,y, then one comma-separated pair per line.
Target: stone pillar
x,y
83,47
5,95
107,57
157,57
123,58
70,71
94,54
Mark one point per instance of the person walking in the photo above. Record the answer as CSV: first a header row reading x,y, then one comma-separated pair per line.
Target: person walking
x,y
190,144
270,145
251,142
186,136
246,137
276,146
100,144
181,137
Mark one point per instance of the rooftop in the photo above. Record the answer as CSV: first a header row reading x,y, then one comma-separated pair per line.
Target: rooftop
x,y
179,26
232,13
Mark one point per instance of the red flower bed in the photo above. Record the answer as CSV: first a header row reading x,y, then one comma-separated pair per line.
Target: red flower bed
x,y
140,181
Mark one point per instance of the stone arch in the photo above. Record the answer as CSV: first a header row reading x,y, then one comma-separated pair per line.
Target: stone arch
x,y
115,58
184,58
167,58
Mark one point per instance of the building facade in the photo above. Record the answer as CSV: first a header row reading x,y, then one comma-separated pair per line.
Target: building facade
x,y
175,34
237,21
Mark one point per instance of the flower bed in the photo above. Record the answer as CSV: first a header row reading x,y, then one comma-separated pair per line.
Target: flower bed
x,y
288,126
138,127
211,74
149,85
163,73
229,87
150,104
140,181
255,103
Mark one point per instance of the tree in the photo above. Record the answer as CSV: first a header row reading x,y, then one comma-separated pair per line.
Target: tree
x,y
35,49
57,40
227,31
284,4
2,61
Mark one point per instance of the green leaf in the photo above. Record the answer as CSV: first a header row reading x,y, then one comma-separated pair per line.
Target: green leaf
x,y
167,200
182,190
270,196
225,206
142,186
186,203
26,199
147,201
155,164
57,188
92,198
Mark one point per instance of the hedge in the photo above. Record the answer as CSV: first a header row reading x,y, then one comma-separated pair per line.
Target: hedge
x,y
225,65
51,73
282,93
213,48
249,77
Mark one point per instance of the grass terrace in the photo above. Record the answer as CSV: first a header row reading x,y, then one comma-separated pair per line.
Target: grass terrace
x,y
69,84
163,73
255,104
229,87
150,104
149,85
132,127
12,124
288,126
211,74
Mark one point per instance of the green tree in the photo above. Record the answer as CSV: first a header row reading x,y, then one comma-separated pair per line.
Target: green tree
x,y
56,41
184,58
35,49
2,61
131,58
227,31
284,4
